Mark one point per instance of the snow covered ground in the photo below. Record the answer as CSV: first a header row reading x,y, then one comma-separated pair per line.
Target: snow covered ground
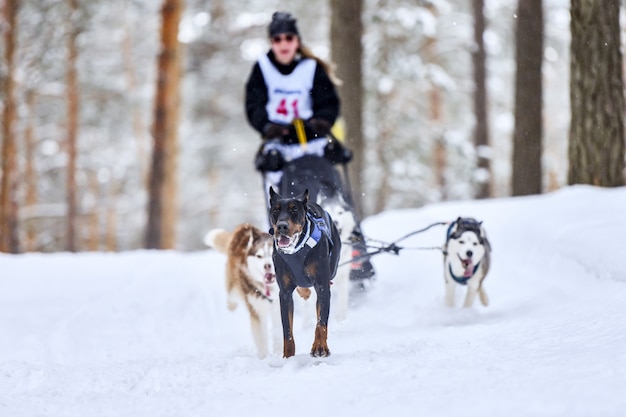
x,y
147,333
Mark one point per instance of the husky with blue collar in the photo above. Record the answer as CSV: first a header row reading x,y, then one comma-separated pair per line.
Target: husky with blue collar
x,y
466,260
306,254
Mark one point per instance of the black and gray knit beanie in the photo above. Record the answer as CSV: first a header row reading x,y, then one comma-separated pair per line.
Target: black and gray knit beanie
x,y
282,22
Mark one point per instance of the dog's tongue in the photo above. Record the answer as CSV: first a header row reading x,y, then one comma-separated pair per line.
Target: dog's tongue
x,y
283,241
469,268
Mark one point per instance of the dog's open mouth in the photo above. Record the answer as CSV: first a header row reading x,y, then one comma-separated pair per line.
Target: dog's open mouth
x,y
468,266
269,280
269,277
284,241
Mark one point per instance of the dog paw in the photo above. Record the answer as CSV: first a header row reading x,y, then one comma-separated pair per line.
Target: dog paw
x,y
320,351
304,292
320,347
289,349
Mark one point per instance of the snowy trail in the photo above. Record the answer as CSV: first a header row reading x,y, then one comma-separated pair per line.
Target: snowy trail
x,y
147,333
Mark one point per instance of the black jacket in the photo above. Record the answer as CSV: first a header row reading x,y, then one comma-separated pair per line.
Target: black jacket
x,y
323,96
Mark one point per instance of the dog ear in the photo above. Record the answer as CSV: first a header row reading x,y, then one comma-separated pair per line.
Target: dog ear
x,y
453,230
483,234
250,240
304,197
273,196
342,201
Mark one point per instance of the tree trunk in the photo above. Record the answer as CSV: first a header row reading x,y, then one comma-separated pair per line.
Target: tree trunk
x,y
346,30
162,201
481,132
72,126
130,77
30,173
93,216
110,234
527,172
439,150
440,162
9,238
596,137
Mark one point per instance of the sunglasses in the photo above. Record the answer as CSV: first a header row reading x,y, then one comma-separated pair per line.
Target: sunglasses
x,y
287,38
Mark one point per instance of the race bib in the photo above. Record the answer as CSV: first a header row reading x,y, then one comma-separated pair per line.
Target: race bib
x,y
289,96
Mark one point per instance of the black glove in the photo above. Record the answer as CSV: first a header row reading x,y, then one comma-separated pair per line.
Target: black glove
x,y
336,153
319,126
274,130
270,161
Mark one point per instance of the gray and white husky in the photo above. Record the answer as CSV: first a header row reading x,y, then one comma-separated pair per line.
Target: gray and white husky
x,y
466,260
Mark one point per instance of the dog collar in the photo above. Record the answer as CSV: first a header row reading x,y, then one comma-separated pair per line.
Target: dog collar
x,y
463,280
308,239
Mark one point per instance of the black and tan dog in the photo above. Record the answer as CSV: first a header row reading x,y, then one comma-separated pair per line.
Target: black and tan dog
x,y
306,254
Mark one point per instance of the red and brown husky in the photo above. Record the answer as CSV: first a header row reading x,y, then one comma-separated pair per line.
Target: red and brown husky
x,y
250,278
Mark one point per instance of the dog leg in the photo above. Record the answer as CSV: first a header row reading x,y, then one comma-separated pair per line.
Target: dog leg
x,y
258,334
340,291
483,296
232,292
276,327
450,292
320,345
286,315
471,296
307,308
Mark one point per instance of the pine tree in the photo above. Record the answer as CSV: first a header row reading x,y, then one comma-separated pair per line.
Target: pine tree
x,y
596,138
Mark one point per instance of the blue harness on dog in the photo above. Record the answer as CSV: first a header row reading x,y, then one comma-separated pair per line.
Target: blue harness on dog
x,y
316,228
462,280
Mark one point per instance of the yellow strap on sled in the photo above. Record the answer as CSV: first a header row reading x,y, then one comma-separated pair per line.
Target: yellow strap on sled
x,y
299,124
339,129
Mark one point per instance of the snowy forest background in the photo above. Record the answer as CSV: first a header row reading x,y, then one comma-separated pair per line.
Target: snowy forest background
x,y
217,186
